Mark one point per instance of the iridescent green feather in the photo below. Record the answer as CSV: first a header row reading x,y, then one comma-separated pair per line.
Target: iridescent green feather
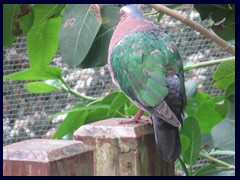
x,y
140,70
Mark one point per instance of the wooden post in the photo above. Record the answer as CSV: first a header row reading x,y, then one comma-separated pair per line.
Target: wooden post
x,y
45,157
123,149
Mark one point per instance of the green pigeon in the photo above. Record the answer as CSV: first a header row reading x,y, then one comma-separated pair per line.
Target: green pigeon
x,y
145,64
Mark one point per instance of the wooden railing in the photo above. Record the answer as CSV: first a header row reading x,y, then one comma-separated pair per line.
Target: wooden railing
x,y
104,148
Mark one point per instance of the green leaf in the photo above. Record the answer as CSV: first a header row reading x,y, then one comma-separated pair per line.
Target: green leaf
x,y
205,169
84,108
192,131
216,11
26,22
42,43
100,114
29,74
132,109
231,107
118,101
226,30
229,159
42,39
44,12
221,172
207,142
110,97
184,143
223,17
71,123
98,53
57,83
222,152
159,17
68,136
9,13
194,103
39,87
96,115
171,6
79,27
224,132
224,75
207,116
222,107
191,88
230,90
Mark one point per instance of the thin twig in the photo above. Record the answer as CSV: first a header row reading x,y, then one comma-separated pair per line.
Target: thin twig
x,y
229,166
207,63
151,13
225,45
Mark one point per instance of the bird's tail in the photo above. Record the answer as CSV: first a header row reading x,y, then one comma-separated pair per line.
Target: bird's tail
x,y
167,139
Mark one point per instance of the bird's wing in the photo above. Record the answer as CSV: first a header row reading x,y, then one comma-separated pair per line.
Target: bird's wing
x,y
139,63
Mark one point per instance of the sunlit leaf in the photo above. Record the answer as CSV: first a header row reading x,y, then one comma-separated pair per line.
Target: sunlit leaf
x,y
42,43
224,75
119,100
50,72
39,87
194,103
71,123
207,116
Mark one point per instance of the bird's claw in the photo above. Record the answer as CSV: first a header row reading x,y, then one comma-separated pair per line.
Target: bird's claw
x,y
138,118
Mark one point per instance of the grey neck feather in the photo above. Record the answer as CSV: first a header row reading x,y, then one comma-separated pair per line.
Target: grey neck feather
x,y
133,10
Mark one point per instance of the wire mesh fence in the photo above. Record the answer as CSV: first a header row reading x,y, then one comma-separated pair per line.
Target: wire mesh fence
x,y
26,115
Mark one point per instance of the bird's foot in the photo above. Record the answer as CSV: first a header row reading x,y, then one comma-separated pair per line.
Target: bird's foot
x,y
138,118
134,119
146,120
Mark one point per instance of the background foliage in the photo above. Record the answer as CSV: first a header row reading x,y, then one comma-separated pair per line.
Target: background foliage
x,y
82,33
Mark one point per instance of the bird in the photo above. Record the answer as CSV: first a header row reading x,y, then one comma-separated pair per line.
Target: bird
x,y
146,65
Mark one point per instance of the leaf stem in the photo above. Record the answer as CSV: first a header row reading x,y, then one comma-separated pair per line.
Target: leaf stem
x,y
70,90
190,171
222,43
120,113
151,13
208,63
183,166
205,155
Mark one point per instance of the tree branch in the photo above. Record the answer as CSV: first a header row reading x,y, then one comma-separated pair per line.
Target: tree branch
x,y
222,43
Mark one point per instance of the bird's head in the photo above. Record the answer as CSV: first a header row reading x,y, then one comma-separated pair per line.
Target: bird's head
x,y
131,10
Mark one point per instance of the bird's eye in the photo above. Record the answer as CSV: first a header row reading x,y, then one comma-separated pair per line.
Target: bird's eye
x,y
122,12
